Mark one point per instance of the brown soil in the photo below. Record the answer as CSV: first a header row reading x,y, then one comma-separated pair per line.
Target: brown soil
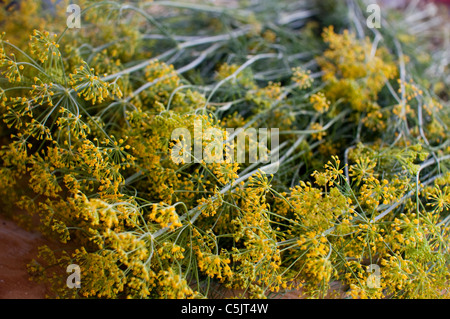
x,y
17,248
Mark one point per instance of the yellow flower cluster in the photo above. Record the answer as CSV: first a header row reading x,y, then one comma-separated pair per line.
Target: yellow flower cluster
x,y
319,102
352,72
164,80
302,77
266,96
91,86
165,216
43,46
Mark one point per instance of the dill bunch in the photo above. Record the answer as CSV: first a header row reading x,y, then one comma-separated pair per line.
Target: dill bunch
x,y
361,179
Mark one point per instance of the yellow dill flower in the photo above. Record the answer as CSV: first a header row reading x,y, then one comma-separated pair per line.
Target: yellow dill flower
x,y
302,78
319,102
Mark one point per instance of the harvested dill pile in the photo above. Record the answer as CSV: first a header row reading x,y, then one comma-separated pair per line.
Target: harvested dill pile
x,y
355,187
